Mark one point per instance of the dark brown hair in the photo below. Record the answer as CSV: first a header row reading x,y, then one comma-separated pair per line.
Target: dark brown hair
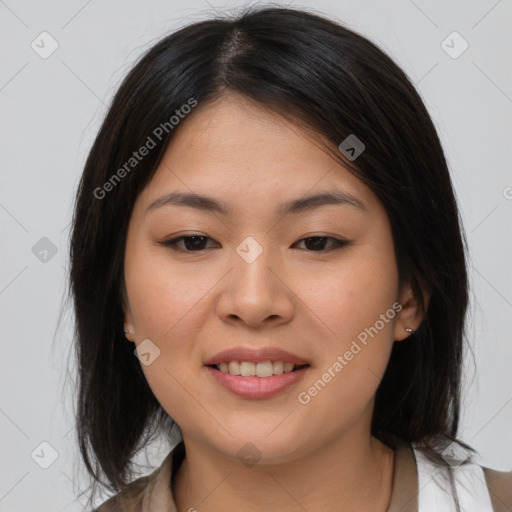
x,y
333,82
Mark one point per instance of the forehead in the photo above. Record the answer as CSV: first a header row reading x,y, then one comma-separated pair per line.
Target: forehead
x,y
238,150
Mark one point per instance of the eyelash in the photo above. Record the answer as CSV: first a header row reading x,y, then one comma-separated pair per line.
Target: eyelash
x,y
172,243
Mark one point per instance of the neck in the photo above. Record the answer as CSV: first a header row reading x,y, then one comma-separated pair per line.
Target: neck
x,y
352,473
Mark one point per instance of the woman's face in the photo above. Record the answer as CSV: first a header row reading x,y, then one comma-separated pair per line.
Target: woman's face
x,y
259,281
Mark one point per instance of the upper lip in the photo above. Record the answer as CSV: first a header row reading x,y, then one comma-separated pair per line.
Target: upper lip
x,y
255,356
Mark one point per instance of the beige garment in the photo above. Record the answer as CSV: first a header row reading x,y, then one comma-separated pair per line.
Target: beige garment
x,y
152,493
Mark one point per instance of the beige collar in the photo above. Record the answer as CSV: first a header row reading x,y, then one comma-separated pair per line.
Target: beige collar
x,y
404,494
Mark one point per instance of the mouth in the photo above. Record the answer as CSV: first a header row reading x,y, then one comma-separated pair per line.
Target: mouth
x,y
262,369
257,380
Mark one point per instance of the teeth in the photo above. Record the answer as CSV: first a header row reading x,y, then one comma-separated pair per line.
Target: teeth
x,y
265,369
278,367
224,367
233,367
288,367
248,369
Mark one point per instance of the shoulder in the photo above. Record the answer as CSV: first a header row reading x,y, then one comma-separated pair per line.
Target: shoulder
x,y
471,479
130,498
499,484
141,494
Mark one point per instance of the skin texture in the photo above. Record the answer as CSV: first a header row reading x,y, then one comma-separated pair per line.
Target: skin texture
x,y
314,303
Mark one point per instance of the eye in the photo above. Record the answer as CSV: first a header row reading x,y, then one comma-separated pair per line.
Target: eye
x,y
193,243
317,243
196,243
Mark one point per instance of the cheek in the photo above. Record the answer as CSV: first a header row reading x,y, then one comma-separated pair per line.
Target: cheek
x,y
349,296
164,299
168,310
353,303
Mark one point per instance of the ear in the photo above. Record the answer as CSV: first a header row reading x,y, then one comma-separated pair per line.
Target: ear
x,y
411,314
128,317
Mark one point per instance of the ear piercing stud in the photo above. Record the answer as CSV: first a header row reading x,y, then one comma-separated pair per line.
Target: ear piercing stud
x,y
126,332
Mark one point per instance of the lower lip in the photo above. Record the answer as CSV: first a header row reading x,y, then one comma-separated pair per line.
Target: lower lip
x,y
257,387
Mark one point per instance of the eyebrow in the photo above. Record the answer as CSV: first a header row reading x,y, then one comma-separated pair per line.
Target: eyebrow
x,y
307,203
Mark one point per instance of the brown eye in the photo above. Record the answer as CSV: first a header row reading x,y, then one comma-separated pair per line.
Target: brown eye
x,y
317,243
192,243
196,243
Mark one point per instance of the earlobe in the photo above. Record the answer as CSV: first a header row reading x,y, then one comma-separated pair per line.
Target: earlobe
x,y
128,327
128,333
128,323
411,315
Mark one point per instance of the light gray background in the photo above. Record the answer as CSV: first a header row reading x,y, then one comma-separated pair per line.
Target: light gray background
x,y
50,111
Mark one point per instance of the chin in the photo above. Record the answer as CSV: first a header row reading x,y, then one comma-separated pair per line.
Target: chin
x,y
258,447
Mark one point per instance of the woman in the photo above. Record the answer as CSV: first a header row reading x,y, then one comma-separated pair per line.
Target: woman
x,y
267,254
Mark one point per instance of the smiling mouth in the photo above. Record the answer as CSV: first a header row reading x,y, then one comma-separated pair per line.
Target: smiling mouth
x,y
260,369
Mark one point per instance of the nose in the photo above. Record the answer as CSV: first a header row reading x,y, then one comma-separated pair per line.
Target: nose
x,y
256,293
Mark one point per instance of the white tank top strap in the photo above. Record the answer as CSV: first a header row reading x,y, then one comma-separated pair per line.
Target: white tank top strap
x,y
435,491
